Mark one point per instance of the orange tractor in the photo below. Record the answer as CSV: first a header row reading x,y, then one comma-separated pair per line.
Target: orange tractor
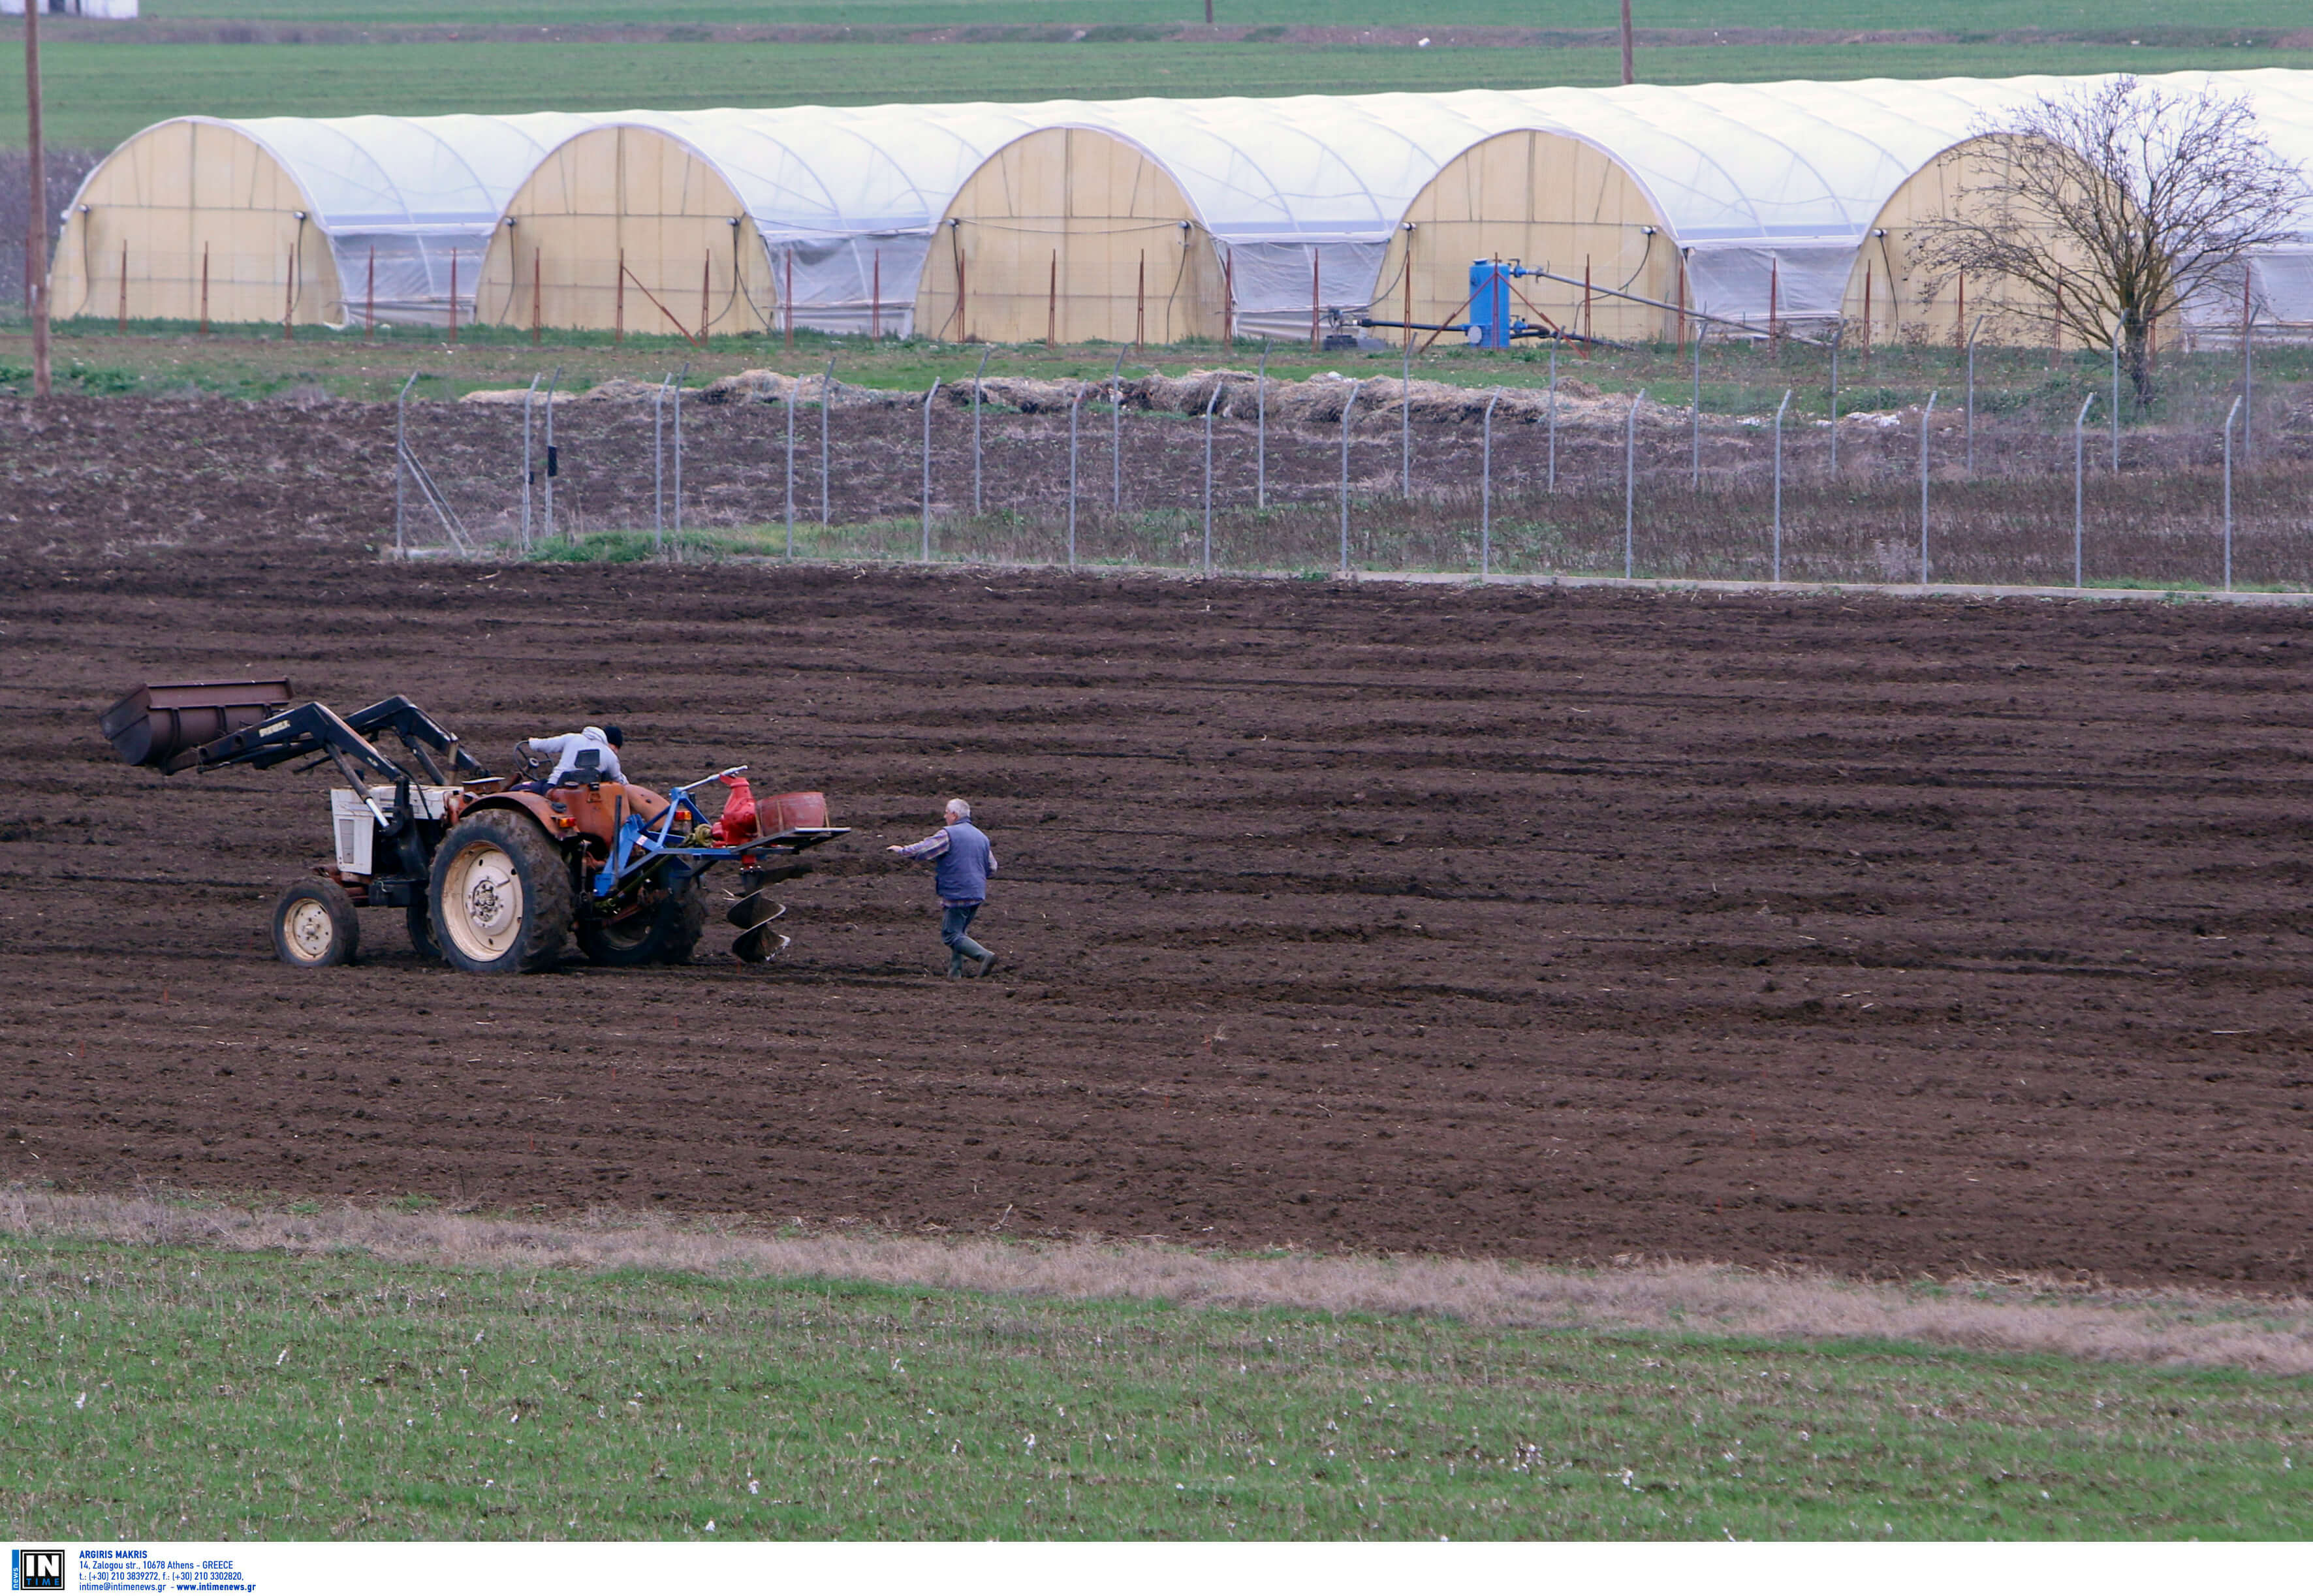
x,y
491,874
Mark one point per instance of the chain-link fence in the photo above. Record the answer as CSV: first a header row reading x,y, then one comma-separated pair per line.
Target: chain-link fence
x,y
2003,468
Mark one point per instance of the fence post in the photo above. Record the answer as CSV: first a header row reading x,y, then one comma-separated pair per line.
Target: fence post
x,y
553,461
1486,491
826,403
1075,407
929,394
1550,482
2248,372
1116,438
1631,484
1261,432
1209,475
526,398
2115,399
795,390
1928,411
1348,404
1405,397
400,449
2228,488
678,376
1971,389
2080,462
1836,334
658,467
1694,417
1777,566
976,376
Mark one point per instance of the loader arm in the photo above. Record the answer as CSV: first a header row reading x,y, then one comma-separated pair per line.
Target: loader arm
x,y
310,729
419,732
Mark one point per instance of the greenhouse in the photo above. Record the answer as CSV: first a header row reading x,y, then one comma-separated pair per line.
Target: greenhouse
x,y
711,222
1892,297
295,220
1072,233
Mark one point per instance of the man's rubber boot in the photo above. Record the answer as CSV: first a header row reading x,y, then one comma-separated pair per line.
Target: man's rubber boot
x,y
955,964
965,948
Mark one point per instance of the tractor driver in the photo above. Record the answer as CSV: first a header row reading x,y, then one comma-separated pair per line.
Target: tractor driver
x,y
568,754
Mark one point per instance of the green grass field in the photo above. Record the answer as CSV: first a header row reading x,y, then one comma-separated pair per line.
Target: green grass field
x,y
103,81
180,1394
98,94
1960,15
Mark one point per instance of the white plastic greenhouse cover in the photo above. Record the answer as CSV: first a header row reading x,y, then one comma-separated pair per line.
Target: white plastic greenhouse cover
x,y
415,188
1780,182
848,194
1309,185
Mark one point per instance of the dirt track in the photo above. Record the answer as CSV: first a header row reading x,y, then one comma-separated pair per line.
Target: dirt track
x,y
1883,936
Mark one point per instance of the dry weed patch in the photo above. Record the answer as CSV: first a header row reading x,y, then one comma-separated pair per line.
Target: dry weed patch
x,y
2269,1334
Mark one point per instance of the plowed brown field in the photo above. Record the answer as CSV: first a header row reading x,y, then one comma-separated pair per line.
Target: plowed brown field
x,y
1885,936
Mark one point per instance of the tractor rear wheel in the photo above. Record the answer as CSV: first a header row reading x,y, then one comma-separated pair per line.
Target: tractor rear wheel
x,y
500,895
664,934
314,925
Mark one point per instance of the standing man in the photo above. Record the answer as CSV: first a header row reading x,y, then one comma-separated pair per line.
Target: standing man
x,y
963,861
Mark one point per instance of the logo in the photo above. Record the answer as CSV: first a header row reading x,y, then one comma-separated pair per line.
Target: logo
x,y
36,1570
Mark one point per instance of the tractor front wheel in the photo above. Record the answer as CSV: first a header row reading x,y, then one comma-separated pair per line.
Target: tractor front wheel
x,y
500,895
664,932
422,940
314,925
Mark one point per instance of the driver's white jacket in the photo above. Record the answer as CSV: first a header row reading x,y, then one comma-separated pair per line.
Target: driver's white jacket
x,y
564,751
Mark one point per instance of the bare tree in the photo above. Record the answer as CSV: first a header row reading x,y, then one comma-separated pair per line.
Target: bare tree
x,y
2118,204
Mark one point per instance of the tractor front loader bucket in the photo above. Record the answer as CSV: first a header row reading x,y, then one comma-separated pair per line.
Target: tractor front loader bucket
x,y
162,725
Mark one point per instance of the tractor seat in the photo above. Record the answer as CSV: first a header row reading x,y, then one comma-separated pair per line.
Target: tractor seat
x,y
586,771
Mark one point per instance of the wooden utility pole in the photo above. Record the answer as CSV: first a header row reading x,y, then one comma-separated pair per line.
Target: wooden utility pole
x,y
1630,64
36,212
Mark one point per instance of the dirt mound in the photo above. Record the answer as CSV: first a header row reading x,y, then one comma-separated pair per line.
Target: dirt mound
x,y
1318,401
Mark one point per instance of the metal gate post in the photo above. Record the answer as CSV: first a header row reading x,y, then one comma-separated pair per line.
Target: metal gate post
x,y
794,386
